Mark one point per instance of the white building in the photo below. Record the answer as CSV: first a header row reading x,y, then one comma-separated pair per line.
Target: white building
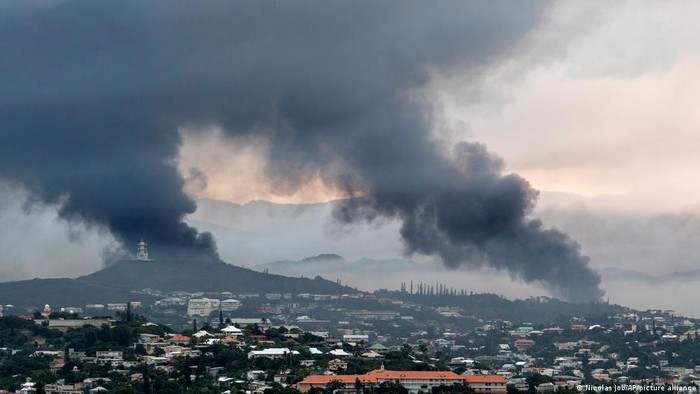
x,y
174,301
230,305
202,306
272,353
232,331
339,353
109,357
355,338
320,333
256,374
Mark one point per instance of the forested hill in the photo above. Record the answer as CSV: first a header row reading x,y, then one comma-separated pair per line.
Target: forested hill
x,y
187,275
123,282
536,309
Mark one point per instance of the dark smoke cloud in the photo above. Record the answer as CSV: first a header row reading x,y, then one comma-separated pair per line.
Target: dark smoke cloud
x,y
466,212
94,92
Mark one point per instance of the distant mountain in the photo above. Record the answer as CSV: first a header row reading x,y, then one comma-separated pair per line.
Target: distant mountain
x,y
618,274
304,266
683,276
366,274
332,264
622,275
325,257
124,280
260,232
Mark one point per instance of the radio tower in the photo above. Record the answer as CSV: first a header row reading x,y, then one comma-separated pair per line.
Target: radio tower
x,y
142,251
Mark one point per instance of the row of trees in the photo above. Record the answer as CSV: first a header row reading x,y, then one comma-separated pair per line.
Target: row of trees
x,y
432,289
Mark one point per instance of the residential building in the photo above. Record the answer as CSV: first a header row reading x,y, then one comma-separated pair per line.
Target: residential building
x,y
413,381
72,310
119,306
109,357
66,324
272,353
77,388
230,305
337,365
485,384
355,338
202,306
522,344
232,331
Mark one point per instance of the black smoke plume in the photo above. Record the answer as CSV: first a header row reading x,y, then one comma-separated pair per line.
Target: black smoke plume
x,y
93,94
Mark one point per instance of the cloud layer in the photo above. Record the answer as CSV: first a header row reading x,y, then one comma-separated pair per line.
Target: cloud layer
x,y
95,93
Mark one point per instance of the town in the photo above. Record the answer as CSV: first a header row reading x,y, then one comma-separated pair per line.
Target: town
x,y
432,340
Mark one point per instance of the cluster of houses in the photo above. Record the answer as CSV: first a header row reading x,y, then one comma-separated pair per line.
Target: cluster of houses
x,y
367,327
162,353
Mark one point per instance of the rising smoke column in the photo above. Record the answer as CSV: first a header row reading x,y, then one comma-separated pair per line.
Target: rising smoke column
x,y
106,167
473,215
94,94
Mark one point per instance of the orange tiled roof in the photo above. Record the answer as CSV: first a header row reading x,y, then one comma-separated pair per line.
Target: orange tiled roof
x,y
484,379
345,379
382,374
180,338
386,374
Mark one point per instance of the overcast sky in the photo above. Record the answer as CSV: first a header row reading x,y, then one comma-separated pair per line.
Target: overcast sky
x,y
606,105
596,100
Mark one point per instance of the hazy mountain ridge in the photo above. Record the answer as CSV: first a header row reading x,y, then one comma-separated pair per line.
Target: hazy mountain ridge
x,y
331,263
648,240
334,263
284,267
616,274
261,232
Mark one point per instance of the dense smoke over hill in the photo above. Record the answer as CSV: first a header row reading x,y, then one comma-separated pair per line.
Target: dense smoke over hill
x,y
95,95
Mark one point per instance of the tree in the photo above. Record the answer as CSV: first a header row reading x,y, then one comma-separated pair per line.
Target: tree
x,y
140,350
146,380
391,388
332,386
453,389
358,386
535,380
186,372
43,376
